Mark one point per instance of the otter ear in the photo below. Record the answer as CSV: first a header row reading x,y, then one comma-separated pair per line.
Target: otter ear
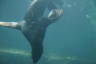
x,y
55,13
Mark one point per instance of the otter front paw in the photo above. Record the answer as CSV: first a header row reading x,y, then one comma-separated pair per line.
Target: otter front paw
x,y
55,14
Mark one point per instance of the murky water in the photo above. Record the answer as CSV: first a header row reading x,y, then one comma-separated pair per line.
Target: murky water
x,y
71,40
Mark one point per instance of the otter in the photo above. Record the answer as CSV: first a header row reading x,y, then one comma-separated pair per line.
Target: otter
x,y
34,24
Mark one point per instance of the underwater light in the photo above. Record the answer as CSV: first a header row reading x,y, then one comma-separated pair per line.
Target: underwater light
x,y
15,51
49,57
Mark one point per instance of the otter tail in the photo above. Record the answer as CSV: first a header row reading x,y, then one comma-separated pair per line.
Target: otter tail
x,y
36,41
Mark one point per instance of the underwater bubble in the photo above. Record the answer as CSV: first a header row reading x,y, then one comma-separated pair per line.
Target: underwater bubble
x,y
69,5
87,16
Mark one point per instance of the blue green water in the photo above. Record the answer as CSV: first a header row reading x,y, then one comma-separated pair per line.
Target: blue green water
x,y
71,40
